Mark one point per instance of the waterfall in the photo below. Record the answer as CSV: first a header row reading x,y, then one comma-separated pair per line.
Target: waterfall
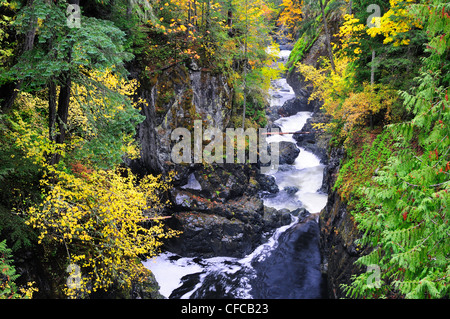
x,y
287,265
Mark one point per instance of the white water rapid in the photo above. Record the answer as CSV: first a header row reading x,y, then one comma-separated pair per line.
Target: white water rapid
x,y
288,264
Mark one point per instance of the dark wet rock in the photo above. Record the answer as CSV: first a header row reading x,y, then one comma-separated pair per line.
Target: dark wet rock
x,y
216,229
276,218
302,212
172,97
224,216
288,152
312,139
295,105
209,235
335,157
291,190
339,234
312,57
212,227
285,168
267,183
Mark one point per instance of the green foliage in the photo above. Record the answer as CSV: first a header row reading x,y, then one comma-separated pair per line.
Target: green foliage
x,y
8,273
7,45
367,151
103,120
395,66
407,220
301,47
19,179
8,276
58,48
13,228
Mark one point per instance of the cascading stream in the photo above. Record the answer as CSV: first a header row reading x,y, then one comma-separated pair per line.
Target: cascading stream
x,y
288,264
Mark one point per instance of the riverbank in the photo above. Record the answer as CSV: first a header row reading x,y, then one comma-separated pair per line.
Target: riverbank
x,y
296,195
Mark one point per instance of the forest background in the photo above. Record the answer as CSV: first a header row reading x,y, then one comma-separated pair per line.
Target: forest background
x,y
69,111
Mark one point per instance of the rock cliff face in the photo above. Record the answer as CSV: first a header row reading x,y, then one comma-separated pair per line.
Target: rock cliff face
x,y
216,206
301,88
175,98
338,233
220,212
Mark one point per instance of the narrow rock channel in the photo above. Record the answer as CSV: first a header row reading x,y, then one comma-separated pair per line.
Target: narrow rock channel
x,y
287,265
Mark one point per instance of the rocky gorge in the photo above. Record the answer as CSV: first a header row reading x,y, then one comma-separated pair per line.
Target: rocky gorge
x,y
220,208
233,217
224,150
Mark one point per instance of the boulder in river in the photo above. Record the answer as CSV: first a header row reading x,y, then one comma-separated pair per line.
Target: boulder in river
x,y
223,214
288,152
276,218
312,139
212,228
295,105
291,190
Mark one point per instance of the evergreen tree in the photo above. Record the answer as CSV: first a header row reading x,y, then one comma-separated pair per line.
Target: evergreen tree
x,y
407,223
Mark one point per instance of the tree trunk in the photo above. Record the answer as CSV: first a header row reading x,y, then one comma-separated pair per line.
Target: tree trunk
x,y
13,89
189,12
327,34
372,69
195,14
63,103
62,114
230,18
63,108
230,14
51,109
207,22
129,9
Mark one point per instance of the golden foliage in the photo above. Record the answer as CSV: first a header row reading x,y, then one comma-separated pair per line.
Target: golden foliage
x,y
291,14
329,87
335,90
90,104
348,34
396,21
106,221
359,107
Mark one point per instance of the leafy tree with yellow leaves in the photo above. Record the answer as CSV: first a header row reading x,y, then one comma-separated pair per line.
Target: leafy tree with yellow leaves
x,y
396,23
102,119
373,57
103,221
106,221
291,14
348,107
330,87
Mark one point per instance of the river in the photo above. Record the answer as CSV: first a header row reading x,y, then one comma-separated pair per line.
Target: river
x,y
287,266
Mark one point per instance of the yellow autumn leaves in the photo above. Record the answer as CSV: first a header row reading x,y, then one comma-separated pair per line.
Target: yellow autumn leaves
x,y
393,25
101,106
291,14
348,33
396,21
105,221
335,90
